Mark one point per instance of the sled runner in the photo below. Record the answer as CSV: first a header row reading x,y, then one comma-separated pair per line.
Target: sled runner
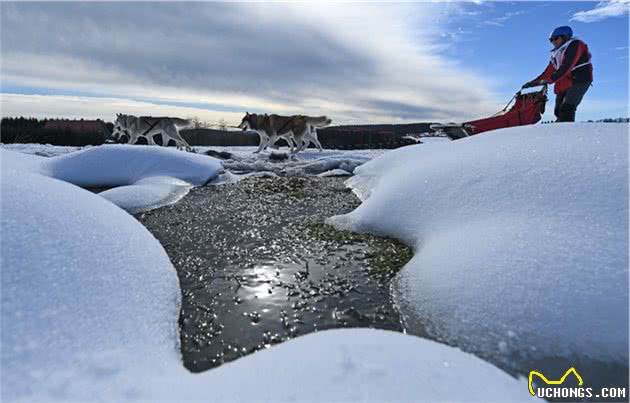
x,y
527,109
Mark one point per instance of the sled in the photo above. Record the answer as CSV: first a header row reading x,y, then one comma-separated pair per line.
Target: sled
x,y
527,109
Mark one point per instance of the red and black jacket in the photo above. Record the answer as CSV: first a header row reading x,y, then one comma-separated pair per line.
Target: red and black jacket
x,y
570,63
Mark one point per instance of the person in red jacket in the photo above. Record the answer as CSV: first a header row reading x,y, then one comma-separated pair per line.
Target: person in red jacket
x,y
570,70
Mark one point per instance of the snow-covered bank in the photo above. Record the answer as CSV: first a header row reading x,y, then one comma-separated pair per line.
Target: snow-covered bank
x,y
89,313
145,177
520,236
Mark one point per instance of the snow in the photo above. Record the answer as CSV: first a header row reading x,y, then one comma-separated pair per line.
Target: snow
x,y
306,163
520,237
144,177
242,163
43,150
120,165
90,303
148,193
309,154
355,365
334,172
427,138
85,289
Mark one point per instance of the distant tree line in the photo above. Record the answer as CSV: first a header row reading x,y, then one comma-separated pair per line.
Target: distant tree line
x,y
201,133
606,120
612,120
63,132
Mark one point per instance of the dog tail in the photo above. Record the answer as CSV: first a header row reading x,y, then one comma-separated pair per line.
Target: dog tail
x,y
181,122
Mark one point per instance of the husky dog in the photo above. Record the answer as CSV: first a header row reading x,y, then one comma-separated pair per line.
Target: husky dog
x,y
162,131
298,130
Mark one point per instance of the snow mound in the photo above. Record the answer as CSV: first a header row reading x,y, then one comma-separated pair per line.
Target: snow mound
x,y
119,165
358,365
20,162
520,236
85,289
148,193
145,177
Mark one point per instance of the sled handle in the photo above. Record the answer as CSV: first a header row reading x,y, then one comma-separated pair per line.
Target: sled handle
x,y
544,89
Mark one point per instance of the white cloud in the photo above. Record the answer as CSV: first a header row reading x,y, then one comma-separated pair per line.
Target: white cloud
x,y
62,106
603,10
501,20
376,61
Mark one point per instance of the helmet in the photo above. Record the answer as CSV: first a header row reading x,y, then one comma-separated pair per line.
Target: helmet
x,y
562,31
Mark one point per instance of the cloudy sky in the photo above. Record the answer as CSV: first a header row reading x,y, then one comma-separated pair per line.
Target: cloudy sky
x,y
403,62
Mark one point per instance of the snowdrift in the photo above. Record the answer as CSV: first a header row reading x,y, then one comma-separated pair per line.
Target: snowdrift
x,y
144,177
89,312
520,236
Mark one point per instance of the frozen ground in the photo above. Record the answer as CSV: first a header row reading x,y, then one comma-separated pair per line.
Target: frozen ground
x,y
89,312
520,237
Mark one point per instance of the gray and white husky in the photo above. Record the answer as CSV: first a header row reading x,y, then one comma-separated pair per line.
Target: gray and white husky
x,y
162,131
297,130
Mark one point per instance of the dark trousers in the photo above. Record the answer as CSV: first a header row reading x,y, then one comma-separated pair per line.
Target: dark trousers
x,y
568,101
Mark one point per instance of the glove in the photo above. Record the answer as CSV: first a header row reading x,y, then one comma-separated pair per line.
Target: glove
x,y
534,83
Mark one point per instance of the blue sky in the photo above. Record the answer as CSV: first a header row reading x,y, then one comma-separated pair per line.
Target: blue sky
x,y
508,41
372,62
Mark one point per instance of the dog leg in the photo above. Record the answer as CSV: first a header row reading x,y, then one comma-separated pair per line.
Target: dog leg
x,y
294,146
172,133
302,143
272,140
263,143
289,139
316,140
133,138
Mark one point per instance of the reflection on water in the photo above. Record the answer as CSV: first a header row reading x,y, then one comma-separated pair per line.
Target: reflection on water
x,y
252,274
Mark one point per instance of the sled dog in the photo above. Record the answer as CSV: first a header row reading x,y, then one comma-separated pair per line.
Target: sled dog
x,y
298,130
162,131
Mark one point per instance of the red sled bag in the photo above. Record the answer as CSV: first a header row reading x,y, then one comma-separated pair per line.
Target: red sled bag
x,y
527,110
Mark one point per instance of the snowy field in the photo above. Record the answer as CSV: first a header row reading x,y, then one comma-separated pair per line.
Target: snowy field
x,y
520,241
